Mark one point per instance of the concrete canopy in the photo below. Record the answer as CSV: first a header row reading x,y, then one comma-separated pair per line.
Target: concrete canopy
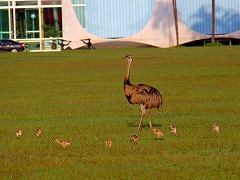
x,y
159,31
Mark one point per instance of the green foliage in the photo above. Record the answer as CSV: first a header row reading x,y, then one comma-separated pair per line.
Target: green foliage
x,y
78,96
216,43
50,31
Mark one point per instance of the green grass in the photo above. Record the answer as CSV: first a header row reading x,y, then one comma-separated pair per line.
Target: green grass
x,y
78,96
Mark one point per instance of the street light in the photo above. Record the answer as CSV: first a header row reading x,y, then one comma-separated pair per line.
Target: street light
x,y
33,16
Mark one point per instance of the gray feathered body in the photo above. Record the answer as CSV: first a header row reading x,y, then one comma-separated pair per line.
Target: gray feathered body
x,y
142,94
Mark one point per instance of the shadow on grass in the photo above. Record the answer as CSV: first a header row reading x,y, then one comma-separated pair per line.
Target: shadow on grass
x,y
131,124
158,139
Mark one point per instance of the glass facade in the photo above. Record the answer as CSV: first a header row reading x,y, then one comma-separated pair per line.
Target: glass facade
x,y
79,8
197,15
37,23
4,24
113,19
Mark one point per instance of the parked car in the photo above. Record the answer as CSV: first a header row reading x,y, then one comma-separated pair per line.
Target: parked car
x,y
11,46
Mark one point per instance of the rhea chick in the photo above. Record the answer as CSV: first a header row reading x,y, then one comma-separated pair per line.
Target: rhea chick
x,y
134,138
173,129
64,143
216,127
158,132
38,131
108,142
18,132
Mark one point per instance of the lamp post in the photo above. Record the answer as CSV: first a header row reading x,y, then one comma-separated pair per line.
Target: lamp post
x,y
33,16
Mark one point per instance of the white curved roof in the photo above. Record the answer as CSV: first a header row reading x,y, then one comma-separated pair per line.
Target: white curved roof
x,y
159,30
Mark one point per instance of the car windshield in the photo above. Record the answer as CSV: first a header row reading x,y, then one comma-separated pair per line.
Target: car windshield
x,y
9,42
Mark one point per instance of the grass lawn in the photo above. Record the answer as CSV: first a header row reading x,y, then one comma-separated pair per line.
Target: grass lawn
x,y
78,95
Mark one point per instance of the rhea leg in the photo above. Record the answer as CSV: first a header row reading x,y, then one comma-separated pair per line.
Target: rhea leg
x,y
149,118
142,116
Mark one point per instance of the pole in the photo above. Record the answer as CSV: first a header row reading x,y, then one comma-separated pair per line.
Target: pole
x,y
213,21
33,27
175,19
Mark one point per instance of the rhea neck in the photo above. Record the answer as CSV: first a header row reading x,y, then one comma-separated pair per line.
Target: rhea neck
x,y
127,75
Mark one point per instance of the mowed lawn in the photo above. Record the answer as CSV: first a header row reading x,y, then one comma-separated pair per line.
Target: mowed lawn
x,y
78,95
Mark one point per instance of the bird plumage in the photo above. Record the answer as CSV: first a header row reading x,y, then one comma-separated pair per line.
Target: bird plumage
x,y
64,143
173,129
216,127
134,138
108,142
18,132
143,94
158,132
38,131
146,96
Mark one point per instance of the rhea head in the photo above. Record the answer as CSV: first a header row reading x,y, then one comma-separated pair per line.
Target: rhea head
x,y
127,57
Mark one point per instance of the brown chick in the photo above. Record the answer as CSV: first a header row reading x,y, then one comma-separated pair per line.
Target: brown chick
x,y
216,127
18,132
173,129
38,131
134,138
64,143
158,132
108,142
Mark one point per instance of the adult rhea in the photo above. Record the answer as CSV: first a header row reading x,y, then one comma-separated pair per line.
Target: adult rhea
x,y
146,96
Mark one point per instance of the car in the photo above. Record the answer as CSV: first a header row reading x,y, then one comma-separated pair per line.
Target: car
x,y
11,46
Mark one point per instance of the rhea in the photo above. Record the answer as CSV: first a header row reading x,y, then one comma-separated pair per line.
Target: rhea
x,y
158,132
173,129
38,131
134,138
216,127
18,132
64,143
108,142
146,96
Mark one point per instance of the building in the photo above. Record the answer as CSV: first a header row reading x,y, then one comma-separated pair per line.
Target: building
x,y
40,23
149,21
36,22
